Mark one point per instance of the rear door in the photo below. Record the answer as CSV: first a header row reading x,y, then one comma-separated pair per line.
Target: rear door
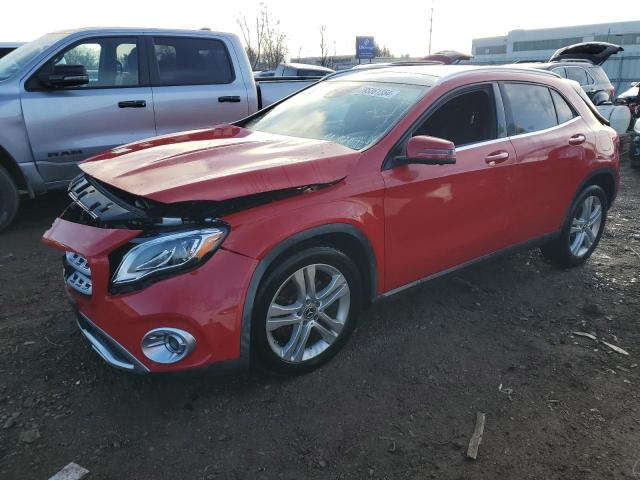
x,y
196,83
68,125
550,139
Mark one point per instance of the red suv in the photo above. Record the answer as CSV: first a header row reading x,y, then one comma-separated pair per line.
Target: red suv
x,y
263,240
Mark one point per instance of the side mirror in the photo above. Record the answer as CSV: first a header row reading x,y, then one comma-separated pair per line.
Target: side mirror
x,y
428,151
66,76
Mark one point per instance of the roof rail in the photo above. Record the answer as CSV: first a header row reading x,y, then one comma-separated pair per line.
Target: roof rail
x,y
410,63
504,68
530,61
577,60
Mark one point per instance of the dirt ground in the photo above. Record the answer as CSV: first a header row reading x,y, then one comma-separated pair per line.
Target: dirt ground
x,y
398,402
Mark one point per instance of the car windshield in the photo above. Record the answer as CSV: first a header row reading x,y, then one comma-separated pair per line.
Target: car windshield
x,y
15,60
353,114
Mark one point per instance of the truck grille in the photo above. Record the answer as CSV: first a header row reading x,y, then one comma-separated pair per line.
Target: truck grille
x,y
77,273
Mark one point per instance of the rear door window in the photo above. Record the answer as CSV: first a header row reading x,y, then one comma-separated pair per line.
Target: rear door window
x,y
578,74
191,61
531,107
560,71
465,119
563,111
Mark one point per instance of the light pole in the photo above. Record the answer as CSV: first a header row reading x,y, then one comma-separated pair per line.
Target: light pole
x,y
430,28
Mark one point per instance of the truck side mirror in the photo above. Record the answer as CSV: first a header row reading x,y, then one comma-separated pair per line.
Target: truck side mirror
x,y
65,76
426,150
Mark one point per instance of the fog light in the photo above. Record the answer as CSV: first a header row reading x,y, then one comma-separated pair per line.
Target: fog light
x,y
167,345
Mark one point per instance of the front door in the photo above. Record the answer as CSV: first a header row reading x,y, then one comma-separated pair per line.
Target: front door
x,y
196,84
438,217
70,124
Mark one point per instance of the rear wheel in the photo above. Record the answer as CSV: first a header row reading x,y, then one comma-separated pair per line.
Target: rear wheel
x,y
582,230
306,309
9,200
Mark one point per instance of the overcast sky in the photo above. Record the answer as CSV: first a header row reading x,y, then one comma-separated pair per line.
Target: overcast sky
x,y
401,25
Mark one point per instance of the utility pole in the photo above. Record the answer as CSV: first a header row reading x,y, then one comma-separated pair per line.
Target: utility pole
x,y
430,29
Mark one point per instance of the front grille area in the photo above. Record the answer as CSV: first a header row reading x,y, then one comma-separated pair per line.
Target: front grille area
x,y
77,273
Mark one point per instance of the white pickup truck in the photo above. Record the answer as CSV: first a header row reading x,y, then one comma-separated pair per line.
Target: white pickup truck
x,y
69,95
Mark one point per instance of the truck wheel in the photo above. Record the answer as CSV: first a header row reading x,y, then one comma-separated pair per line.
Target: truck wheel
x,y
306,308
582,229
9,200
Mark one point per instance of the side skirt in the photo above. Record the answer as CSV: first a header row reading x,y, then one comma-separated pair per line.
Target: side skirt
x,y
528,245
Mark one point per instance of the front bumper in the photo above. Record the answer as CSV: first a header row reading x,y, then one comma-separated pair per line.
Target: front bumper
x,y
206,302
111,351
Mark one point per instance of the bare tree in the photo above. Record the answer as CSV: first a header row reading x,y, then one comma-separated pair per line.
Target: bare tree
x,y
274,46
253,42
381,52
325,61
265,43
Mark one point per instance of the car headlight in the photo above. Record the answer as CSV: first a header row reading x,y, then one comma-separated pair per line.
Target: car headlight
x,y
174,251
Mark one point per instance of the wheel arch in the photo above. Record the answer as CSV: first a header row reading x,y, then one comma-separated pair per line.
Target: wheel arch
x,y
604,178
343,236
11,166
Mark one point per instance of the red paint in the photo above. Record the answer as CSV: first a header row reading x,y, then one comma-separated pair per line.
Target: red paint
x,y
209,165
419,219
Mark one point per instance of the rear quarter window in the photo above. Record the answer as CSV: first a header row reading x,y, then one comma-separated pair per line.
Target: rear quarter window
x,y
564,111
599,74
578,74
531,107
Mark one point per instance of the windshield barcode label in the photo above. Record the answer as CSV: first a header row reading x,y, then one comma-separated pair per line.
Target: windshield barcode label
x,y
376,92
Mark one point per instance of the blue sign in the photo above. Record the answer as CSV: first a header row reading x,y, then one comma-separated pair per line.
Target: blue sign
x,y
365,47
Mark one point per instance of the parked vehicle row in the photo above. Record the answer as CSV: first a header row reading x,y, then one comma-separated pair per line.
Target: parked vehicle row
x,y
261,241
73,94
582,62
8,47
295,70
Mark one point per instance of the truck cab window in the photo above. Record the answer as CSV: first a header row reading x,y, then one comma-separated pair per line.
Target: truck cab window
x,y
192,61
110,62
468,118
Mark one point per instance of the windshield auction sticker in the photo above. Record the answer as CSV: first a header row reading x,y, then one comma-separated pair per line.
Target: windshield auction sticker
x,y
376,92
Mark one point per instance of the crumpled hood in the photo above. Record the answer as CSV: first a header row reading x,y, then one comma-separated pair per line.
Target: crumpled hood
x,y
218,164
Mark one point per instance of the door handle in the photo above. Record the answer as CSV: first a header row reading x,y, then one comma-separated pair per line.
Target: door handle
x,y
496,157
132,104
229,99
578,139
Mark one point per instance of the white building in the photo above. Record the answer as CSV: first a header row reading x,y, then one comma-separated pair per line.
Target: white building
x,y
539,44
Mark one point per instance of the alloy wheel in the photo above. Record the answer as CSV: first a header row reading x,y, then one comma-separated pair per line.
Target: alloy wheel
x,y
308,312
585,226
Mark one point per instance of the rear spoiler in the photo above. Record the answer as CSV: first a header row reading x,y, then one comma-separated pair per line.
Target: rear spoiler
x,y
576,86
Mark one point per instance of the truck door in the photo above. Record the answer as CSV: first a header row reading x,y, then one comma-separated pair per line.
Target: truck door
x,y
66,125
196,83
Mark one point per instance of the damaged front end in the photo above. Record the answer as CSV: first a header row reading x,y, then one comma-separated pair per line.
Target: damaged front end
x,y
100,205
169,239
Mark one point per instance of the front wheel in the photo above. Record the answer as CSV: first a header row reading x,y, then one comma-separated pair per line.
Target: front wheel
x,y
306,309
582,230
9,199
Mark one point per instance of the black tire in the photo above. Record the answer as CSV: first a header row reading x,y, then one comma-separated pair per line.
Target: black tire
x,y
558,250
9,199
263,356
